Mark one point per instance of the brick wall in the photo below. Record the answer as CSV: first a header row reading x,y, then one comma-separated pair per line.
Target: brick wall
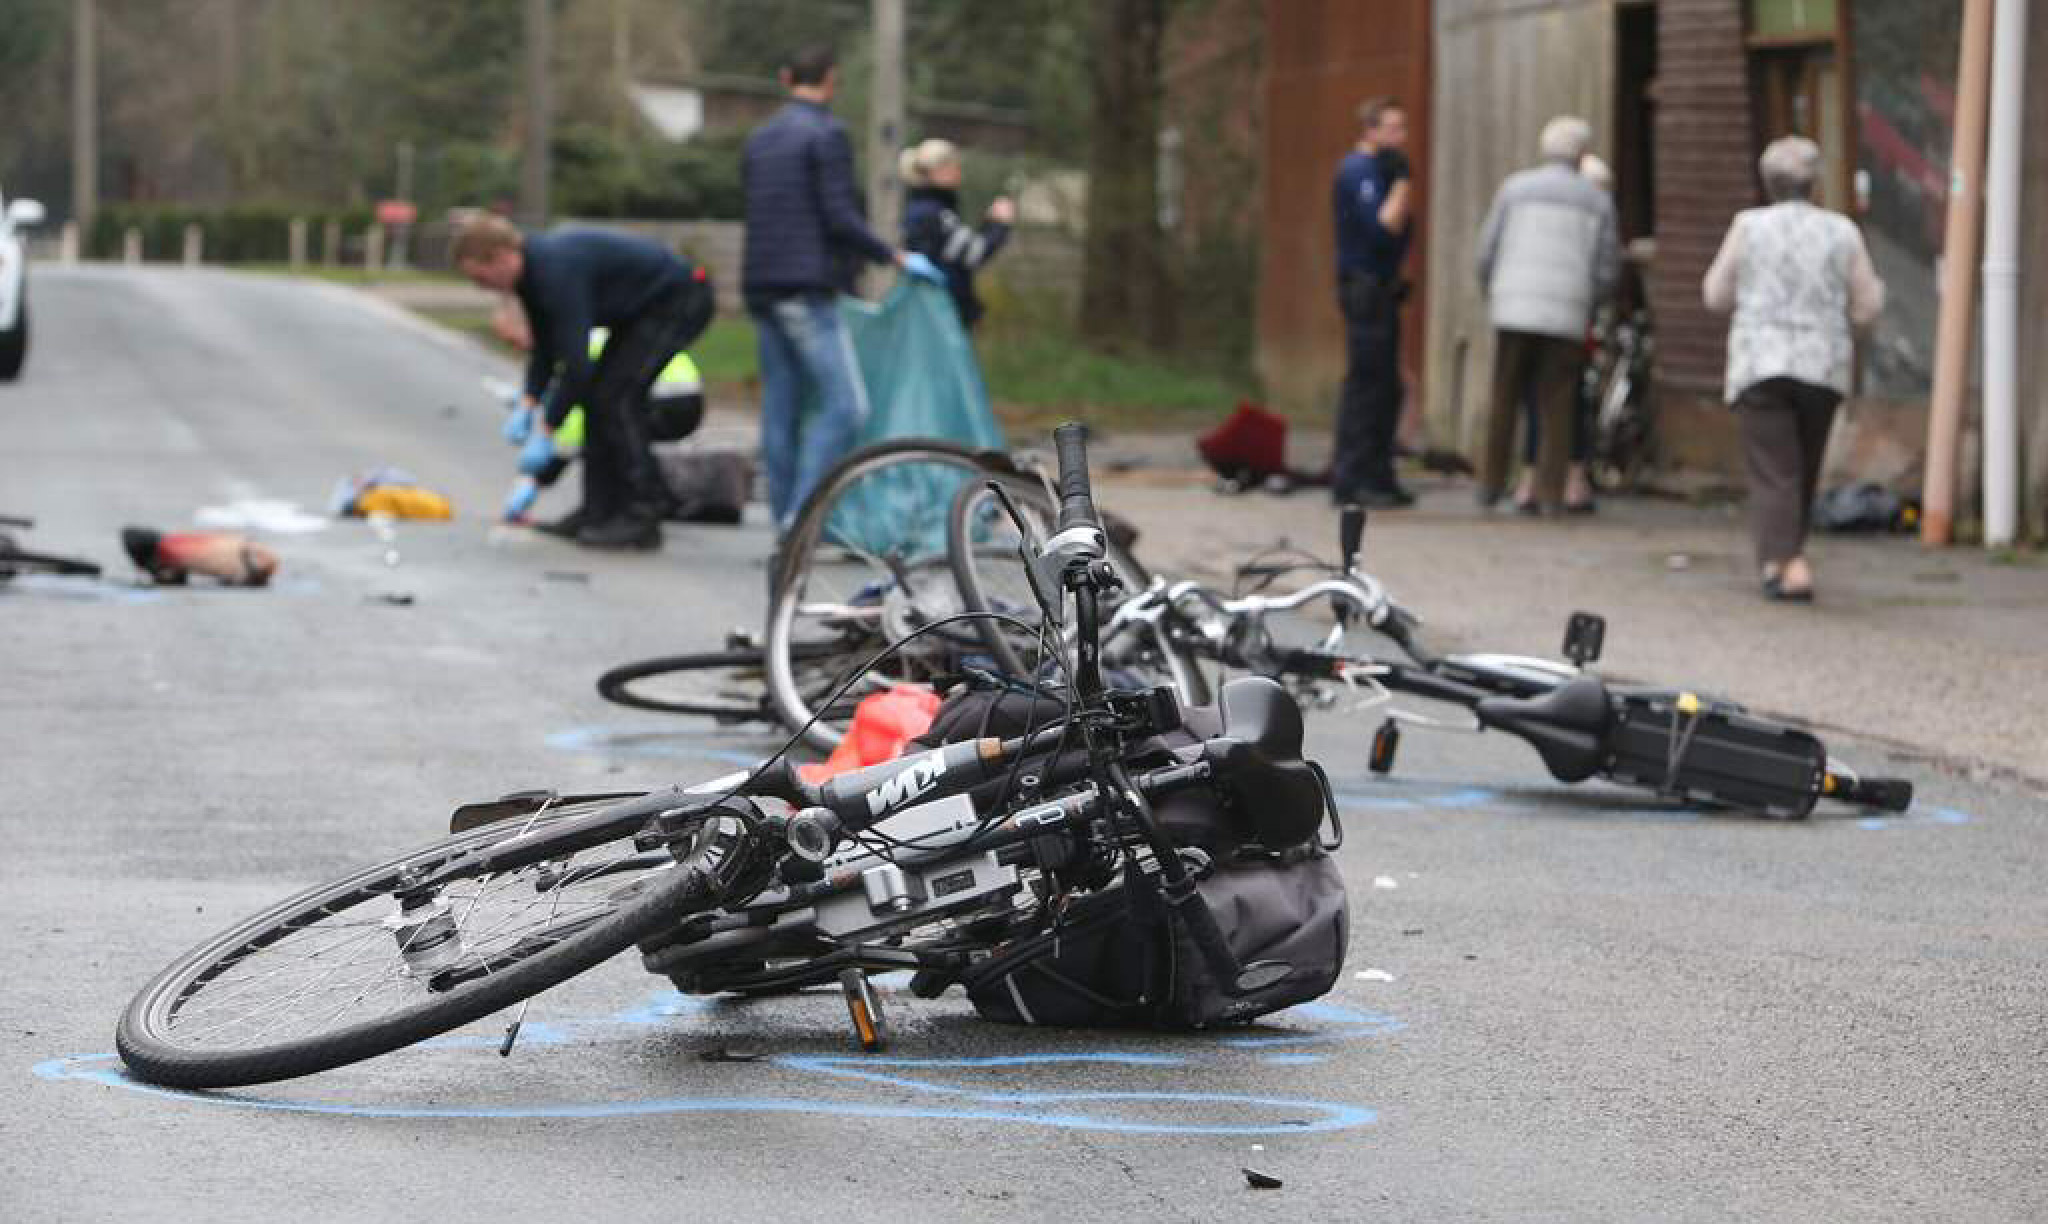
x,y
1705,175
1322,58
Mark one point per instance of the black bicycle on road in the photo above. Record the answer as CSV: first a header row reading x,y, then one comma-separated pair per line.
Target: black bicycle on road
x,y
952,862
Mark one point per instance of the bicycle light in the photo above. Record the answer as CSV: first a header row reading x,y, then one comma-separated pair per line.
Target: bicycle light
x,y
813,833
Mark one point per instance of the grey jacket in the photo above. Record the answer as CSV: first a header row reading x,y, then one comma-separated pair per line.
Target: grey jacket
x,y
1549,251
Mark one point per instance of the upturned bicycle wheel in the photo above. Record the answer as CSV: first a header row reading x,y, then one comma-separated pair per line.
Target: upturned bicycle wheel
x,y
864,568
347,971
989,566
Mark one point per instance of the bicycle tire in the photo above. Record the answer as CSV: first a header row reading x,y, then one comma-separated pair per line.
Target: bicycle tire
x,y
733,684
15,561
982,549
151,1043
835,585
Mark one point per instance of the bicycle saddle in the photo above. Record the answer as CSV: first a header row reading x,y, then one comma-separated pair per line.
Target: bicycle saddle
x,y
1258,763
1567,726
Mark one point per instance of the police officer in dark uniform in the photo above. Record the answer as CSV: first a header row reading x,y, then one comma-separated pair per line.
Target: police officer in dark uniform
x,y
1372,198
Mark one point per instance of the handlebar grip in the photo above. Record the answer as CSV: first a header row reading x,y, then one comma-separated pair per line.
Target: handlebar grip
x,y
1885,794
1077,502
1350,531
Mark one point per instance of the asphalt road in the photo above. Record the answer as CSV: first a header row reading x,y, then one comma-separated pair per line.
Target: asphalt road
x,y
1575,1005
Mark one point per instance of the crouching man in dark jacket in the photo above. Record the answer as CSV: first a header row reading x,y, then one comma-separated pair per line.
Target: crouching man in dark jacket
x,y
654,305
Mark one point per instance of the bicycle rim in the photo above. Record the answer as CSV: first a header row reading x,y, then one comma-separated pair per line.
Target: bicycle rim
x,y
324,979
865,566
992,575
730,686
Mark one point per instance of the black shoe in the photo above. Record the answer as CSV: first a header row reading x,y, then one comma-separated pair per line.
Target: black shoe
x,y
626,531
567,526
1393,497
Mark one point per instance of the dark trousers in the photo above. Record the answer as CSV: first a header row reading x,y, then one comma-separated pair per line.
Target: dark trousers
x,y
1582,426
1543,371
1785,426
1370,409
620,477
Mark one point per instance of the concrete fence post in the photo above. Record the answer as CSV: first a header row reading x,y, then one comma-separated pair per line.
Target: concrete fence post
x,y
373,247
195,244
330,242
131,245
297,239
67,243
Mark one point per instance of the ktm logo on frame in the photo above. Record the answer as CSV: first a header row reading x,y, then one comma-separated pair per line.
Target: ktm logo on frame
x,y
915,779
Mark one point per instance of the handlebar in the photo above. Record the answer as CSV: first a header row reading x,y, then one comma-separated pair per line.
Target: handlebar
x,y
1077,500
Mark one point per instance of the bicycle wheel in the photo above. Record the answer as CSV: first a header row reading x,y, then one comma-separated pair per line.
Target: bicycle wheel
x,y
730,686
983,548
342,972
863,567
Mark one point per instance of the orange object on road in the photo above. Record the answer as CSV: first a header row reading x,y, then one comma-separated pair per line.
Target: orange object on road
x,y
882,724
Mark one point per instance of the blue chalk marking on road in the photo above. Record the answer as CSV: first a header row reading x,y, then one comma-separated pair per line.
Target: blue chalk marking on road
x,y
1916,817
1345,1024
1332,1116
667,744
1351,798
1214,1113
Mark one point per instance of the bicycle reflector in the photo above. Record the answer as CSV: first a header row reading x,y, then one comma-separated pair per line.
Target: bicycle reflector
x,y
1385,742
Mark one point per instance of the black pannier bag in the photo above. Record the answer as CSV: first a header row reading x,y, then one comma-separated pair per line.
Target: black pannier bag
x,y
1123,956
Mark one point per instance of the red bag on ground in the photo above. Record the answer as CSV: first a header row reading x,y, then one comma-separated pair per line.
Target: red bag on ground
x,y
1250,445
883,723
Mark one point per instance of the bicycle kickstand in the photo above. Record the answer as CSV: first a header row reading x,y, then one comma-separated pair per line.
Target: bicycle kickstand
x,y
864,1008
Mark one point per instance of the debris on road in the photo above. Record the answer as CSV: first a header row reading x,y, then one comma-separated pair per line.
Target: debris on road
x,y
1373,975
725,1054
397,599
392,493
171,557
1385,882
260,514
1261,1181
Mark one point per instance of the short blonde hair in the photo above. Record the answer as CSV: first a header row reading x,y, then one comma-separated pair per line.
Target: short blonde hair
x,y
916,164
480,235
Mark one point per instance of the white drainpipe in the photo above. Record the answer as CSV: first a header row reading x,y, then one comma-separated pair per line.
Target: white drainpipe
x,y
2002,274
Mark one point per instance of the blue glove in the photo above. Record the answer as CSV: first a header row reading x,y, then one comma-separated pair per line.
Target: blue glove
x,y
519,424
520,500
920,265
538,452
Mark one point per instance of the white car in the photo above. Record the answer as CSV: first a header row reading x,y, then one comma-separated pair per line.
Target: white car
x,y
15,216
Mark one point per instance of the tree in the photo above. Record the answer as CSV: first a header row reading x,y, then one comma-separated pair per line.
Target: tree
x,y
1126,300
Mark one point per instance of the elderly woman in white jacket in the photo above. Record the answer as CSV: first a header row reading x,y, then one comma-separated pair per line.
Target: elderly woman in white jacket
x,y
1795,277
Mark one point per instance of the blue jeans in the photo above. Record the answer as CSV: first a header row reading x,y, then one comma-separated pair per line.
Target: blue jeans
x,y
804,347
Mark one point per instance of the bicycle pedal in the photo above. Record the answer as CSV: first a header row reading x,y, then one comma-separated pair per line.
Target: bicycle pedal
x,y
864,1008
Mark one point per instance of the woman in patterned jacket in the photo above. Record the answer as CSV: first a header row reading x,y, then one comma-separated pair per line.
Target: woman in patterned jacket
x,y
1796,277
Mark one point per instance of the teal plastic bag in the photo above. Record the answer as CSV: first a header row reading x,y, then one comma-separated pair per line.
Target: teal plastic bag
x,y
922,381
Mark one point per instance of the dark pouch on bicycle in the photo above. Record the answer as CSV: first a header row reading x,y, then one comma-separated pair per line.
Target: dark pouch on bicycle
x,y
1094,969
1693,749
1121,958
1286,918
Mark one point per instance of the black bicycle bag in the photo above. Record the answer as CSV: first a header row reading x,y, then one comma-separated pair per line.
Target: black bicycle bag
x,y
1122,956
